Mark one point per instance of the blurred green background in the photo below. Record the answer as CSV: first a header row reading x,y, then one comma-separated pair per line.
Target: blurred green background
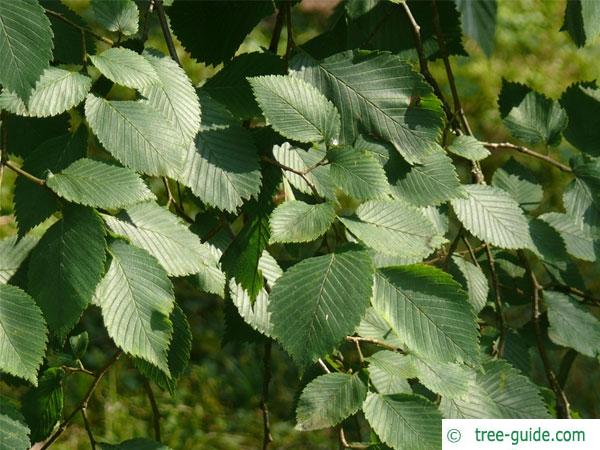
x,y
216,405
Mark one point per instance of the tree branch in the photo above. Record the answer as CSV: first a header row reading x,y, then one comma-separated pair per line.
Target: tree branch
x,y
290,37
79,27
383,344
162,18
23,173
562,403
589,299
267,437
565,367
155,410
277,30
416,31
497,301
84,402
88,428
300,173
529,152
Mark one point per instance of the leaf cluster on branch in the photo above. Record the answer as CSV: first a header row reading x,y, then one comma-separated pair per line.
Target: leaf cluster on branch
x,y
334,197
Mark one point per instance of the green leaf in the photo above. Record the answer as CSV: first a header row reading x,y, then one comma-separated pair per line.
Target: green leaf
x,y
178,356
174,96
404,421
135,444
254,312
125,67
432,182
136,298
569,322
588,171
164,236
498,392
578,237
231,88
305,161
581,21
296,221
379,92
387,372
43,405
222,167
55,92
357,173
22,334
493,216
530,116
136,134
582,103
473,281
116,15
394,228
295,109
520,183
320,300
34,204
13,252
374,326
14,433
581,205
468,147
22,23
479,22
211,280
429,311
66,266
197,23
100,185
449,380
329,399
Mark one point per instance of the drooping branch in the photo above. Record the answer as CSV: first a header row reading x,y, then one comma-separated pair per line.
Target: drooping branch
x,y
529,152
83,404
264,406
23,173
88,428
563,409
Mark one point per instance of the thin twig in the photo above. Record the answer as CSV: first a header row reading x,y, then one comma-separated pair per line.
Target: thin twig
x,y
458,110
345,444
88,428
323,366
69,369
23,173
529,152
146,27
453,246
162,18
588,299
373,341
277,30
79,27
84,402
300,173
416,31
470,250
562,403
264,406
155,410
497,301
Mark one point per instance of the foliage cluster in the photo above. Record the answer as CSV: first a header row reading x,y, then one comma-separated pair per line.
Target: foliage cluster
x,y
334,197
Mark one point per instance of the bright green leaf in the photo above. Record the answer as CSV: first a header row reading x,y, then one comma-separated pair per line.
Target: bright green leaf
x,y
296,221
473,281
93,183
13,252
125,67
136,298
329,399
116,15
468,147
319,301
521,184
295,109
